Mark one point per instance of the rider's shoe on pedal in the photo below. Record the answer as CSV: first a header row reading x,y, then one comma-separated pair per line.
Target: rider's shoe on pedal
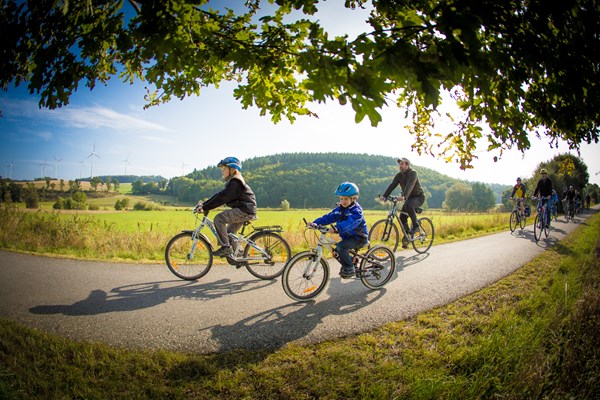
x,y
347,273
223,251
405,242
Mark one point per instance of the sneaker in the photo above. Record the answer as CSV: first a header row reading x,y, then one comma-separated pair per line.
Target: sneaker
x,y
345,274
404,243
223,251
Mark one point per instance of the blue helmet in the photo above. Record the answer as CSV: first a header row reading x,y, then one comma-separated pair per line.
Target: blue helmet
x,y
231,162
347,189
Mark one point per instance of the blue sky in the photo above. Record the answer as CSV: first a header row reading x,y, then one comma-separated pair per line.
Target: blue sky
x,y
174,138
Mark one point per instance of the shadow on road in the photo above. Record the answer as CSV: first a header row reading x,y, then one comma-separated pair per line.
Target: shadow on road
x,y
273,328
403,262
150,294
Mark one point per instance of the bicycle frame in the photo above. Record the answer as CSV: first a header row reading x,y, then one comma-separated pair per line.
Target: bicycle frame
x,y
395,213
323,242
240,239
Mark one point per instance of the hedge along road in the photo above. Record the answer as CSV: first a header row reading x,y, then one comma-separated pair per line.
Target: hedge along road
x,y
145,306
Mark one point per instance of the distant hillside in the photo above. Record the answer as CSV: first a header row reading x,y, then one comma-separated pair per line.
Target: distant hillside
x,y
130,178
308,180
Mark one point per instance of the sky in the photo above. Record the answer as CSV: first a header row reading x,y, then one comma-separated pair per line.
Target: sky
x,y
175,138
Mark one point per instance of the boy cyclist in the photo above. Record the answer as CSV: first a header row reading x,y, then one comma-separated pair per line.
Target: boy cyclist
x,y
350,224
237,195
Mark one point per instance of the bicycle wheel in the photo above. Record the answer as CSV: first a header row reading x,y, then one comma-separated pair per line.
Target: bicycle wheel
x,y
522,221
378,266
303,279
537,227
279,254
423,239
384,232
513,220
185,262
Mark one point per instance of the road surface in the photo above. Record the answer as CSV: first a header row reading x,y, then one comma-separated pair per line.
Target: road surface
x,y
145,306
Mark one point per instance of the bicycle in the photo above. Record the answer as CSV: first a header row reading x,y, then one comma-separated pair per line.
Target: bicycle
x,y
569,209
517,217
541,223
386,232
306,275
264,252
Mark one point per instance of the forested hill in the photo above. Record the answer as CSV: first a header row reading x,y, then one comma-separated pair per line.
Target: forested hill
x,y
308,180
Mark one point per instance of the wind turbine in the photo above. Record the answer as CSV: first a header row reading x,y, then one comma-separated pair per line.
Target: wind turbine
x,y
126,161
93,154
9,165
56,161
81,165
183,168
43,169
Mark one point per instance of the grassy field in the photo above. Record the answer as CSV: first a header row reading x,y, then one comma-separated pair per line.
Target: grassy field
x,y
142,235
533,334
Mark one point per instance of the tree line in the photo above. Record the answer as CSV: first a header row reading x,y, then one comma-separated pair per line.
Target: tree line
x,y
308,180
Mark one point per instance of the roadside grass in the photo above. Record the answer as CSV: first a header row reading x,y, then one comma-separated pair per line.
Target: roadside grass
x,y
142,235
532,334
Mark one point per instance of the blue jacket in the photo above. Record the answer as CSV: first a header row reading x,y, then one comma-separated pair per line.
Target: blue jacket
x,y
350,222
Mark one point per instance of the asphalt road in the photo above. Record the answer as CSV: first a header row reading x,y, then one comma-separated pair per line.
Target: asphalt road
x,y
145,306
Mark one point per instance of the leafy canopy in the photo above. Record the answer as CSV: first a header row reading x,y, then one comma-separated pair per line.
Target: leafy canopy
x,y
516,67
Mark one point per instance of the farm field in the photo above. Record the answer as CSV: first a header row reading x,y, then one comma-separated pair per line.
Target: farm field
x,y
142,235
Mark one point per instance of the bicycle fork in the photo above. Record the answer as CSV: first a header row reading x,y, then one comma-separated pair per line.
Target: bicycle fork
x,y
313,265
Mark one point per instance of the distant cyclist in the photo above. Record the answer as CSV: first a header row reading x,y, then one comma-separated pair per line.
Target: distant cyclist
x,y
412,193
544,189
518,195
569,198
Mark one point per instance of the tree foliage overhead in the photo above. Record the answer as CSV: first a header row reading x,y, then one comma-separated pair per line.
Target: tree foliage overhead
x,y
517,66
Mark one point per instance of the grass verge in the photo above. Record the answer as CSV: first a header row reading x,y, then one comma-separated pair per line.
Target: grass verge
x,y
533,334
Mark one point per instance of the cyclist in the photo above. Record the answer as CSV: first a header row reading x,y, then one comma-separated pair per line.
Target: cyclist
x,y
237,195
518,195
412,193
350,224
544,189
554,206
570,198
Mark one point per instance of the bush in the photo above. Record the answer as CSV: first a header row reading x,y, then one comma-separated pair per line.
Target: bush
x,y
60,204
285,205
139,206
122,204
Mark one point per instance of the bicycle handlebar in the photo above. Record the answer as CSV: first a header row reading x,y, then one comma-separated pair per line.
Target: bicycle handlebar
x,y
320,228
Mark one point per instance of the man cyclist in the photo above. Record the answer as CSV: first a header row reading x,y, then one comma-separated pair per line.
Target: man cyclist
x,y
518,195
412,193
544,189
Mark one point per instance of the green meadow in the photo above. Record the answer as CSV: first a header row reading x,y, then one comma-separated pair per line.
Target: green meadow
x,y
141,236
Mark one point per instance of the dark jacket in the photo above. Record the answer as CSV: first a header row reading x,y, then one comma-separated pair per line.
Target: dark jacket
x,y
237,194
543,188
350,221
409,182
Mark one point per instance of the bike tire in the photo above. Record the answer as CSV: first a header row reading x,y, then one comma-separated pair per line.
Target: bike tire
x,y
384,232
423,241
177,256
513,221
297,284
537,228
378,266
522,221
278,249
